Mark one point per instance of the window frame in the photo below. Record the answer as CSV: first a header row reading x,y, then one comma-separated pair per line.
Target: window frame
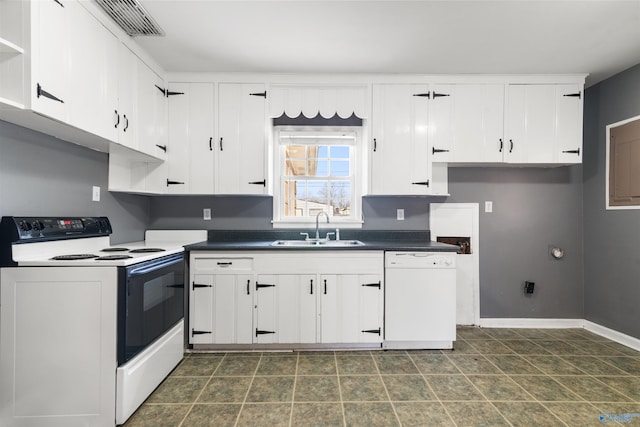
x,y
609,171
356,165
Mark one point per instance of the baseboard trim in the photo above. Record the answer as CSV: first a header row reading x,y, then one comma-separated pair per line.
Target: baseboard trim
x,y
530,323
613,335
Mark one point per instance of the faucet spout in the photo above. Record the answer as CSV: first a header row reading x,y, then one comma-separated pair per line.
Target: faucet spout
x,y
317,225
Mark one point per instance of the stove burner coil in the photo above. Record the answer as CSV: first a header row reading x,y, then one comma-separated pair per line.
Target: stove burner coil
x,y
113,257
73,257
145,250
114,250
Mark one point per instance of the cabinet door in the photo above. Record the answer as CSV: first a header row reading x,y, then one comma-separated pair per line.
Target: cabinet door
x,y
151,108
190,153
467,124
50,57
93,60
570,104
221,307
242,139
351,308
286,308
126,117
400,158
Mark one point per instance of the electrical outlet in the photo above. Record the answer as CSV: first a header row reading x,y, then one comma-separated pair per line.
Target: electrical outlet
x,y
400,214
488,206
95,195
206,214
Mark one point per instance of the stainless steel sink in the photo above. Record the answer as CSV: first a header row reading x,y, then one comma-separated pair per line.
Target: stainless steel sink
x,y
316,243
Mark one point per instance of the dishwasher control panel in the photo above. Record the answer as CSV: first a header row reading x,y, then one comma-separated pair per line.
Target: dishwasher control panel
x,y
420,260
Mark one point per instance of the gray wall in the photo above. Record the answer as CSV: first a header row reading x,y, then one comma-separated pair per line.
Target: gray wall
x,y
41,175
532,209
611,238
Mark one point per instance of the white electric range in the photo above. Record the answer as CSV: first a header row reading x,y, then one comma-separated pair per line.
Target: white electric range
x,y
87,329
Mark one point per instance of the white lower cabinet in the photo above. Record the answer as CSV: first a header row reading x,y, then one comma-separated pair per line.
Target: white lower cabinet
x,y
286,298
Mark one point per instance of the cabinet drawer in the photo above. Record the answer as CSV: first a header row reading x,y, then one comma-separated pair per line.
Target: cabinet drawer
x,y
222,264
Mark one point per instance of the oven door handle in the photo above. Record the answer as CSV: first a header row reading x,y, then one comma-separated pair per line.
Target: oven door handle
x,y
155,266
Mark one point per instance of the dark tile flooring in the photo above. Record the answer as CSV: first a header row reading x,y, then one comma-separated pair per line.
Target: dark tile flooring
x,y
494,377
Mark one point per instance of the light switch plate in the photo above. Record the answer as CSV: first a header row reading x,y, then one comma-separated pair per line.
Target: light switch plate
x,y
400,214
95,195
206,214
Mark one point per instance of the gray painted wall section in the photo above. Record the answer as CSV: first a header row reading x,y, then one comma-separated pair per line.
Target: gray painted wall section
x,y
41,175
612,254
532,209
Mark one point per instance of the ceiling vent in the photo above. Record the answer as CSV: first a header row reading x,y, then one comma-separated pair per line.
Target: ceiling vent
x,y
131,17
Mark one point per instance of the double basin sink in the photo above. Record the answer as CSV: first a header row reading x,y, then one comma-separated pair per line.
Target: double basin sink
x,y
312,243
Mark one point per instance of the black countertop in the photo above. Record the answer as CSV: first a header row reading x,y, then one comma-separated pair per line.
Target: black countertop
x,y
249,240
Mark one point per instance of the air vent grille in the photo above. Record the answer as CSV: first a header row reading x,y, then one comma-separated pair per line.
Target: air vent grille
x,y
131,17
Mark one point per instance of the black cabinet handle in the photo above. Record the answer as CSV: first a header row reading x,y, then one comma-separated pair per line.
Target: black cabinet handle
x,y
211,144
511,147
169,182
126,121
248,283
117,119
373,331
500,150
225,264
311,287
162,147
41,92
421,183
375,145
263,182
221,149
572,151
325,286
438,150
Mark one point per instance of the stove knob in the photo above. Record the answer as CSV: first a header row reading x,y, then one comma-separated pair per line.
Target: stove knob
x,y
24,226
38,225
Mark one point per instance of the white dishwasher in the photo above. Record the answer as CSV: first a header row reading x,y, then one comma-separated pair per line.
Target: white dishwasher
x,y
420,300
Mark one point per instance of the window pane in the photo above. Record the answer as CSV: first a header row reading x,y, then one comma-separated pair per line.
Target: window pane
x,y
295,160
323,151
339,168
339,152
340,198
323,168
296,151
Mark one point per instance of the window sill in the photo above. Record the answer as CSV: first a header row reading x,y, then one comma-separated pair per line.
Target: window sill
x,y
312,224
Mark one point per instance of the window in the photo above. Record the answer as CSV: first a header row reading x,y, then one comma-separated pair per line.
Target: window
x,y
317,170
623,165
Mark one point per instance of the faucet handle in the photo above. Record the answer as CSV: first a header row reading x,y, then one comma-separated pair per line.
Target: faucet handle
x,y
329,234
306,235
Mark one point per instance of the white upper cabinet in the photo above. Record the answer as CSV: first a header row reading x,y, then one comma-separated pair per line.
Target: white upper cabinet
x,y
51,24
242,140
467,123
543,124
190,156
400,150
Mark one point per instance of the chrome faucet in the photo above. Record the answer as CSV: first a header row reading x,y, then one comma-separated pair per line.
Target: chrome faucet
x,y
317,218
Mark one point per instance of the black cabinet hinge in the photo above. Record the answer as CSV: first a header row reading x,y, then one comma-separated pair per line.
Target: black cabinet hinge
x,y
194,332
572,151
373,331
373,285
170,182
162,147
263,182
261,332
264,285
574,95
421,183
262,94
60,3
167,93
439,95
438,150
423,95
41,92
195,285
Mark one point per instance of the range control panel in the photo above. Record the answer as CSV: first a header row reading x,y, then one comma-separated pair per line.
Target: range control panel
x,y
30,229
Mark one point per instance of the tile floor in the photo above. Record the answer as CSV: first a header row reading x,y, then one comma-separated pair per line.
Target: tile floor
x,y
494,377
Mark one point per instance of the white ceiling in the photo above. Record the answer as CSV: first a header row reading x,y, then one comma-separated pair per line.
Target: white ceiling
x,y
599,37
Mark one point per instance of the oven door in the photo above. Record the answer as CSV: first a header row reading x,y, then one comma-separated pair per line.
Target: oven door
x,y
150,303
